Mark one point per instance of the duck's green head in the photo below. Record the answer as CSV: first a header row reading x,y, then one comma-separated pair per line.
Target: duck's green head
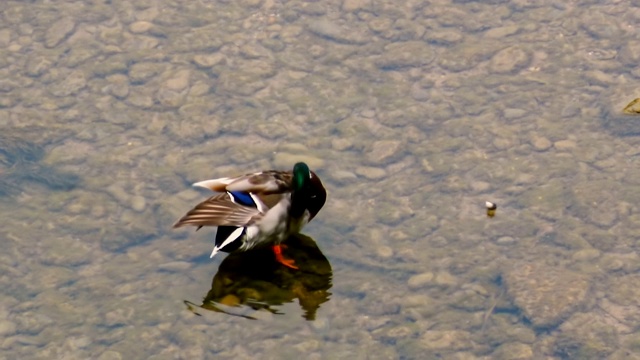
x,y
308,192
301,176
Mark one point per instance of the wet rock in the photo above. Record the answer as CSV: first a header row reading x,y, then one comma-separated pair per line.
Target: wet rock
x,y
633,108
397,332
420,280
624,299
204,39
111,34
445,279
336,32
469,300
142,72
446,340
509,60
209,60
422,90
443,37
600,25
52,277
505,240
75,343
140,27
273,44
371,173
296,61
58,32
540,143
71,85
384,252
33,323
138,203
200,88
245,82
546,295
81,52
111,65
512,114
37,65
513,351
586,336
110,355
118,85
502,31
403,30
140,100
355,5
380,24
253,51
565,145
456,62
629,262
341,144
383,151
169,98
405,54
586,255
596,201
7,86
178,81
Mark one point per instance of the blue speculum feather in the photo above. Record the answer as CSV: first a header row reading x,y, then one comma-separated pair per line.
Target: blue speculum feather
x,y
224,232
243,198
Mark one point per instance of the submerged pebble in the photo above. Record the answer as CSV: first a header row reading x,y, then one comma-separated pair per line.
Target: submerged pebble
x,y
420,280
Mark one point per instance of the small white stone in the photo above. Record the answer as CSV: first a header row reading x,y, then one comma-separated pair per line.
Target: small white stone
x,y
384,251
140,27
420,280
138,203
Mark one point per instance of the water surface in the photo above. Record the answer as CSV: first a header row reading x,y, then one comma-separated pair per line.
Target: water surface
x,y
413,114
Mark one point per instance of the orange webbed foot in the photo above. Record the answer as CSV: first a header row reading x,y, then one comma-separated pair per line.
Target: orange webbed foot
x,y
290,263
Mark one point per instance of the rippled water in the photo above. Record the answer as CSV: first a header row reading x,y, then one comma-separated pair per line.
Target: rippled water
x,y
412,113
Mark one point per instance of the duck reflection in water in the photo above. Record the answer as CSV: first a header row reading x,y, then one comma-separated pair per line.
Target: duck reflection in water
x,y
253,281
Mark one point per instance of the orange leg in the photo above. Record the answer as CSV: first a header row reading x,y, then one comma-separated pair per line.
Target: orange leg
x,y
290,263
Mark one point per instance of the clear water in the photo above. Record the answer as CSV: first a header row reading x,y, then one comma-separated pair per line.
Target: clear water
x,y
412,113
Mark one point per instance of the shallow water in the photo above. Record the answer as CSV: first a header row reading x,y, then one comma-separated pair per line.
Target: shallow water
x,y
412,113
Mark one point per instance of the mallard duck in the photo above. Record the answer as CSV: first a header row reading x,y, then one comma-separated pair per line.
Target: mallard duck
x,y
259,209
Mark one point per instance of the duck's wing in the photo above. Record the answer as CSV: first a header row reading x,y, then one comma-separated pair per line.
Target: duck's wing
x,y
220,210
264,182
